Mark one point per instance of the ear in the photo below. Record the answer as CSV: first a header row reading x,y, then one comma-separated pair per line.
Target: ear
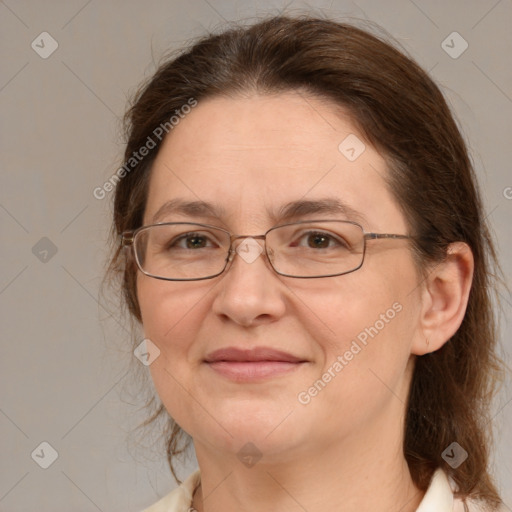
x,y
445,295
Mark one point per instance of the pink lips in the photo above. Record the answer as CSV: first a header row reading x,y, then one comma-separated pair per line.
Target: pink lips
x,y
243,365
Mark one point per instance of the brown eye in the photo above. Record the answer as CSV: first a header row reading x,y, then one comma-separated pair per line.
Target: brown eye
x,y
190,241
318,241
195,242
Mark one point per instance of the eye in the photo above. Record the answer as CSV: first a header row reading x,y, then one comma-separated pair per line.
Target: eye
x,y
321,240
191,241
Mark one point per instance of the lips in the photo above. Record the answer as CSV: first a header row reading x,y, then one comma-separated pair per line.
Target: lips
x,y
258,354
257,364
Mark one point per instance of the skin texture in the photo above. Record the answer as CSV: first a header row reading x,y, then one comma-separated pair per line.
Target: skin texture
x,y
342,450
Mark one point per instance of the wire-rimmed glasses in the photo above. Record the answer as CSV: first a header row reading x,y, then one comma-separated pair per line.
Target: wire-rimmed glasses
x,y
190,251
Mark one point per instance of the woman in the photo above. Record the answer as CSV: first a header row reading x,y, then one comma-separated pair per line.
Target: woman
x,y
304,246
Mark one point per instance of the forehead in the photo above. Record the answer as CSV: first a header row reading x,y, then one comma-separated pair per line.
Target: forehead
x,y
251,155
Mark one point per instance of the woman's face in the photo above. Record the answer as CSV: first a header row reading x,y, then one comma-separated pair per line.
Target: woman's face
x,y
249,157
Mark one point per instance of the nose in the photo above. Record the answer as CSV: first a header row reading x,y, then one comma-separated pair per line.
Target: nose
x,y
250,292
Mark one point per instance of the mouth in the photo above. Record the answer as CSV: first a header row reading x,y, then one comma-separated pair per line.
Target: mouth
x,y
241,365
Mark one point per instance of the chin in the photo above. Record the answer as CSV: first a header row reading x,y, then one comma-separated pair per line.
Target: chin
x,y
268,432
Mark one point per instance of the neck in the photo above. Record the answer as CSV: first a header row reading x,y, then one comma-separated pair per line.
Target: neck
x,y
354,475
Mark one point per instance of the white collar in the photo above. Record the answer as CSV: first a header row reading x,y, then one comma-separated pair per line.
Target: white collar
x,y
438,498
439,495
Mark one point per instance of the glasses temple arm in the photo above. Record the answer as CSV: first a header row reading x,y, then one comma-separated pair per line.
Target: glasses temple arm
x,y
374,236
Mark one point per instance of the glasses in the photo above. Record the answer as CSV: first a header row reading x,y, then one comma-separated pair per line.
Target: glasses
x,y
188,251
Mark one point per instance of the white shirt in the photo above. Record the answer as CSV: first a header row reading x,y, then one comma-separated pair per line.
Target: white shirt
x,y
438,498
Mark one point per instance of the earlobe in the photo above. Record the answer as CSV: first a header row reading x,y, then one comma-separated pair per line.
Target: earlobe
x,y
445,297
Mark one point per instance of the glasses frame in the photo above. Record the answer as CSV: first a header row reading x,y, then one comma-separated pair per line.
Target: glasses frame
x,y
128,240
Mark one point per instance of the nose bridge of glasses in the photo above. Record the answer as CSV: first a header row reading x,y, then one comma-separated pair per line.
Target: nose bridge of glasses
x,y
247,247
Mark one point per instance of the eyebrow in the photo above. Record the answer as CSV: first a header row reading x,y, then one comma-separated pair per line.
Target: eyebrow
x,y
288,212
325,206
188,209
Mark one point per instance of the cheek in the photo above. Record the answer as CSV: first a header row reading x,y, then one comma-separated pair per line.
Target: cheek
x,y
170,320
371,332
168,310
365,360
372,313
173,315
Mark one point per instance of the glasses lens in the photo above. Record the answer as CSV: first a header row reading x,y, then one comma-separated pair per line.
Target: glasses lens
x,y
316,249
181,251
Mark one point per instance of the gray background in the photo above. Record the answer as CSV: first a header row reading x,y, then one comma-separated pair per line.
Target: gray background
x,y
66,368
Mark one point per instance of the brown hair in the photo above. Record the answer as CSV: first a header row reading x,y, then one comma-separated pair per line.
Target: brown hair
x,y
400,111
